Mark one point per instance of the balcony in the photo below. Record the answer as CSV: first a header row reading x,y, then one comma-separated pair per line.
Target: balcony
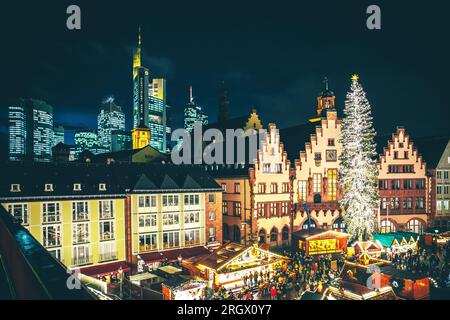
x,y
81,261
107,256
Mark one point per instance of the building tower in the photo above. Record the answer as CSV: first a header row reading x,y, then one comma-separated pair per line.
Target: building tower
x,y
58,134
193,113
325,101
224,104
111,118
140,135
157,114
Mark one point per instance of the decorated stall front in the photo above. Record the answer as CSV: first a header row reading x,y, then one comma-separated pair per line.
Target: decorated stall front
x,y
397,241
316,241
228,265
181,288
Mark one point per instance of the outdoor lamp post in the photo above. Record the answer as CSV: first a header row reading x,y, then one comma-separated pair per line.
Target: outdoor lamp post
x,y
121,281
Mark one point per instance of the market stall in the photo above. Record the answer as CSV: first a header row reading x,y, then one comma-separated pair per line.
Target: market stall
x,y
227,265
370,248
182,288
395,242
316,241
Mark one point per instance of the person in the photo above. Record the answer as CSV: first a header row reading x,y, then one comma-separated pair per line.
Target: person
x,y
273,292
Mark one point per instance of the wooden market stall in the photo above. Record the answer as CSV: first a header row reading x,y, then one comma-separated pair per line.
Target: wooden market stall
x,y
398,241
227,265
183,288
316,241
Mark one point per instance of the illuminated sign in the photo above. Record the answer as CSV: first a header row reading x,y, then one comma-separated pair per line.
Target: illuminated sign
x,y
323,246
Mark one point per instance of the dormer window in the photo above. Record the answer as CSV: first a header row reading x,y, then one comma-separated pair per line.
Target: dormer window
x,y
15,187
48,187
102,187
77,187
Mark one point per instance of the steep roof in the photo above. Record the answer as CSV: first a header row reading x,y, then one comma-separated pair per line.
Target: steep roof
x,y
120,178
295,137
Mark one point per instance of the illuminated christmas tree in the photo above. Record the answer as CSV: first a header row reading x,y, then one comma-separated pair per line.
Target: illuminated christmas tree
x,y
358,170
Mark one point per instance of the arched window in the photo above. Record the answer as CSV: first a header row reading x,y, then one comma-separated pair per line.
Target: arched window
x,y
285,233
339,224
274,235
387,226
305,225
226,232
262,236
414,225
236,234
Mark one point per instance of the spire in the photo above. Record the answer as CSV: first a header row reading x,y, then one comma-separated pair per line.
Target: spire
x,y
139,38
191,98
137,56
325,80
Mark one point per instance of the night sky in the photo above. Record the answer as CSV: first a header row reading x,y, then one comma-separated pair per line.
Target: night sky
x,y
272,55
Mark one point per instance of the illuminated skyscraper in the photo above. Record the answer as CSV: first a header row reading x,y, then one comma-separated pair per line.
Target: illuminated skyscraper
x,y
58,135
157,114
110,118
30,130
140,89
85,140
193,114
120,140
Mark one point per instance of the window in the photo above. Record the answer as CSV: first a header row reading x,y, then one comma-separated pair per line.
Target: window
x,y
225,207
237,188
266,168
147,220
387,226
80,211
445,204
278,168
408,169
420,183
384,203
407,184
261,188
19,212
407,203
77,187
191,217
212,198
339,225
212,234
439,189
420,203
274,235
55,253
171,218
273,208
212,216
273,188
446,189
108,251
446,175
224,187
395,154
147,242
237,209
102,187
285,187
15,187
439,174
383,184
80,233
302,190
332,184
147,201
439,205
415,226
106,230
171,239
81,255
285,233
395,184
405,155
331,142
396,203
317,156
331,155
50,212
261,209
191,237
106,209
170,200
284,207
51,236
317,183
48,187
191,199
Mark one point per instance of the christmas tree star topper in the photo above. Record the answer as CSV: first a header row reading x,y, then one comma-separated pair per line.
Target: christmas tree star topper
x,y
355,77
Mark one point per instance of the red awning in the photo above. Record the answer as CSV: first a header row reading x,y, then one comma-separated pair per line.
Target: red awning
x,y
105,269
172,255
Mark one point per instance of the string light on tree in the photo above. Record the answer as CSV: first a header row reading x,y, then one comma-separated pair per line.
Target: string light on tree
x,y
358,170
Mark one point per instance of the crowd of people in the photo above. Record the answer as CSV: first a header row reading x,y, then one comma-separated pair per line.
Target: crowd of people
x,y
288,280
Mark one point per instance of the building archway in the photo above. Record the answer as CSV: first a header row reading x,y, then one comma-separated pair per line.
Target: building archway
x,y
262,236
387,226
415,225
274,236
236,234
225,232
285,234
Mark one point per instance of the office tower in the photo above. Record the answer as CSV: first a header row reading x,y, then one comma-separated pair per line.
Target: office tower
x,y
168,127
58,134
110,118
157,114
30,130
140,89
85,140
224,104
120,140
193,113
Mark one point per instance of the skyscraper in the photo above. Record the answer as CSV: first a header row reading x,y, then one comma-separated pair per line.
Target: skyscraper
x,y
110,118
85,139
193,113
58,134
120,140
30,130
157,114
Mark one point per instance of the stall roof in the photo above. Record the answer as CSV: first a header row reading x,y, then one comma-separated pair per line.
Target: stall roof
x,y
177,281
313,232
387,239
170,269
389,269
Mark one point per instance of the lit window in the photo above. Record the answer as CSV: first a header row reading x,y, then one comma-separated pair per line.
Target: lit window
x,y
332,184
48,187
77,187
317,183
302,190
102,187
15,187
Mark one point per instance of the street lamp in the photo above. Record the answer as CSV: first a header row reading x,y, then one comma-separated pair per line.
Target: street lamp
x,y
121,281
